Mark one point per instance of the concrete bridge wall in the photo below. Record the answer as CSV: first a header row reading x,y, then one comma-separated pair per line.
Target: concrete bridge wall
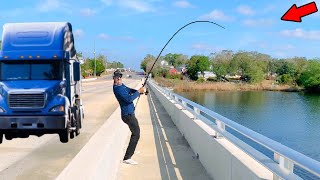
x,y
221,159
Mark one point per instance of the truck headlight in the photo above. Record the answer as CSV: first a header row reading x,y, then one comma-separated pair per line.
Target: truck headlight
x,y
59,108
2,110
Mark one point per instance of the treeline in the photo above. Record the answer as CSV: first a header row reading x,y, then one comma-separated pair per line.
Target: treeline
x,y
88,66
114,65
251,67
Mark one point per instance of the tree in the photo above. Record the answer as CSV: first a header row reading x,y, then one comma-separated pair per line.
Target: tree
x,y
247,64
86,69
175,59
146,60
310,77
89,65
286,72
114,65
100,64
221,63
197,64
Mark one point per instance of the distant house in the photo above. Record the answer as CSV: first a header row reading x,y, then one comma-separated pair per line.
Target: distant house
x,y
207,74
164,63
173,71
235,77
182,70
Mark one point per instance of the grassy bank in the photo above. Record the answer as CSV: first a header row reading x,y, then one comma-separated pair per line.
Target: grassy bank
x,y
183,85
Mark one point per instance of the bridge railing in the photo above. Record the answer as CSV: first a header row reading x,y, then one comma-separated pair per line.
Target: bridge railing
x,y
284,158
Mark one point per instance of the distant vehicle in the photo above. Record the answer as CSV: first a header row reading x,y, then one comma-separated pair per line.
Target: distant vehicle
x,y
40,85
207,74
122,69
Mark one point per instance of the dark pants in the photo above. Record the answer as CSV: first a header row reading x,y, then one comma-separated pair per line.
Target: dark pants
x,y
133,124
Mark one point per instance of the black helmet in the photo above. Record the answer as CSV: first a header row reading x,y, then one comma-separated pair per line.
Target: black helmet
x,y
117,73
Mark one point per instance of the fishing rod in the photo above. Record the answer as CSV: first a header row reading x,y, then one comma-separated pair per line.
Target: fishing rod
x,y
193,22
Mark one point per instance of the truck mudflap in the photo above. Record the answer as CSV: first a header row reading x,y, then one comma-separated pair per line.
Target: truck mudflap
x,y
32,122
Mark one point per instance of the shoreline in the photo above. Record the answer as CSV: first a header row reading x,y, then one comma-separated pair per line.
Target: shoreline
x,y
185,86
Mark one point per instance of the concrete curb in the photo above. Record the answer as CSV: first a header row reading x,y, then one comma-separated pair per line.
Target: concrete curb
x,y
100,158
89,79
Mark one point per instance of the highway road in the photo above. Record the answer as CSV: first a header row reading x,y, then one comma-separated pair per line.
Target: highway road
x,y
45,157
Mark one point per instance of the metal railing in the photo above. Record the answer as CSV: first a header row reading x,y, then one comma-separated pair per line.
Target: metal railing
x,y
284,158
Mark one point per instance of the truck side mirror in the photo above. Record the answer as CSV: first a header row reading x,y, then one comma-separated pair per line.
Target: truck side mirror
x,y
76,71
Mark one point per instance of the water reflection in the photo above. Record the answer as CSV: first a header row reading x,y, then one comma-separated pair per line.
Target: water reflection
x,y
293,119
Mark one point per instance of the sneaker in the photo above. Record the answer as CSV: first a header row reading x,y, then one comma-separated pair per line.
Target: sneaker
x,y
130,161
137,152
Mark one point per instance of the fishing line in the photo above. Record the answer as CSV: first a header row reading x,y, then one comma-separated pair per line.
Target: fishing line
x,y
193,22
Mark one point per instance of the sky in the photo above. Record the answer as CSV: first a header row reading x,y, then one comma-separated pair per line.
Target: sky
x,y
128,30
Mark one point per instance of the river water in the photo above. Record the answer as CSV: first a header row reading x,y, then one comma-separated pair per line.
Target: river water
x,y
290,118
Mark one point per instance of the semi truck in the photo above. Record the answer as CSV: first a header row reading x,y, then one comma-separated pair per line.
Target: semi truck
x,y
40,81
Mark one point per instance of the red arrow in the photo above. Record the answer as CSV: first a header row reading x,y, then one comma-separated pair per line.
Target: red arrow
x,y
295,14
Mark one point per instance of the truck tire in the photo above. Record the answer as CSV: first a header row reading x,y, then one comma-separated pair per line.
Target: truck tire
x,y
73,124
8,136
1,137
78,122
64,136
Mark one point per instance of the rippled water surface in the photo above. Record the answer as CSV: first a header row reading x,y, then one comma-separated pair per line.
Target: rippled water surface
x,y
293,119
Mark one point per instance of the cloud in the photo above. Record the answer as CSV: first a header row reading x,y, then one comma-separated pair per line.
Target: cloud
x,y
269,8
137,5
216,15
245,10
258,22
301,34
205,47
107,2
78,33
127,38
87,12
103,36
12,13
288,47
140,6
182,4
50,5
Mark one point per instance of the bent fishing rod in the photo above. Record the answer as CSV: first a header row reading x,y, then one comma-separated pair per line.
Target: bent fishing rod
x,y
193,22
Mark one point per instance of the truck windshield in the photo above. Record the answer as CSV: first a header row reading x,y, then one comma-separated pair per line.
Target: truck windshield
x,y
30,70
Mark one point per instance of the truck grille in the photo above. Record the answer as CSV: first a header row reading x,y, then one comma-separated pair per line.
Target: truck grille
x,y
35,100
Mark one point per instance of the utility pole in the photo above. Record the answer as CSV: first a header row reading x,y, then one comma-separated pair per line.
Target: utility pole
x,y
94,55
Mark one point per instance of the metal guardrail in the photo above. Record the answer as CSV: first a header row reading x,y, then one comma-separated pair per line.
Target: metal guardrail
x,y
284,158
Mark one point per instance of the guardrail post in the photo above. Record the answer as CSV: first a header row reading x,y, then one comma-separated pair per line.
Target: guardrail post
x,y
177,99
184,104
221,126
197,112
284,163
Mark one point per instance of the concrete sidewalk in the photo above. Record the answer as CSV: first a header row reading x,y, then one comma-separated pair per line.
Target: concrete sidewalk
x,y
162,152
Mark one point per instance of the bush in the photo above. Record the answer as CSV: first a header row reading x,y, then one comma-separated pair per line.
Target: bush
x,y
286,79
201,80
310,78
212,79
174,76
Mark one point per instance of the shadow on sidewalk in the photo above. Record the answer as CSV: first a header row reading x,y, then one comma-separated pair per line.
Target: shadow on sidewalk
x,y
176,159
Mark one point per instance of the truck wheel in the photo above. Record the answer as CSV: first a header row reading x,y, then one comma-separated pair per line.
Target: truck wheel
x,y
8,136
64,136
1,137
78,122
73,124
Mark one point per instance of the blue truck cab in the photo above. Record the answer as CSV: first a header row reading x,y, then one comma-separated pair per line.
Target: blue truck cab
x,y
40,81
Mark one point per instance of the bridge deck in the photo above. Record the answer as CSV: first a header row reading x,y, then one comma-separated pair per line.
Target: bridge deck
x,y
162,152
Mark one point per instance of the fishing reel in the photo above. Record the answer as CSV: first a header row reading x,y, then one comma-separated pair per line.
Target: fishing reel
x,y
147,91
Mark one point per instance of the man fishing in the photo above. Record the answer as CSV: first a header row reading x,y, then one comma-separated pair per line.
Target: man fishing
x,y
125,97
